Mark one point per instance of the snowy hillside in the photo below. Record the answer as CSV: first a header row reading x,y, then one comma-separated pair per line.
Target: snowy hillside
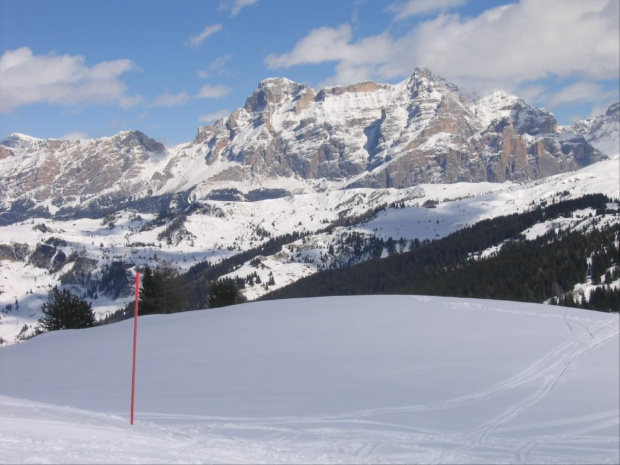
x,y
219,229
333,380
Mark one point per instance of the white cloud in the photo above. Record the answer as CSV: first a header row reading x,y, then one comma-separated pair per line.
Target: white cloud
x,y
65,80
217,67
75,136
206,32
356,60
176,100
235,6
601,108
530,92
526,41
171,100
211,117
126,102
213,91
322,44
577,93
406,9
507,45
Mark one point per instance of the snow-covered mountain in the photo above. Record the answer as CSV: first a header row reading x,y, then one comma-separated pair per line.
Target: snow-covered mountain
x,y
602,131
43,176
287,138
375,379
72,208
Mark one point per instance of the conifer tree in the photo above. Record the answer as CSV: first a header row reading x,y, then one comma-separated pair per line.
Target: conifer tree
x,y
64,310
224,292
162,291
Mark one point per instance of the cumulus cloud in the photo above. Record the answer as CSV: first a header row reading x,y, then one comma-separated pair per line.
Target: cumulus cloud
x,y
406,9
526,41
211,117
26,78
509,45
356,61
322,44
235,6
206,32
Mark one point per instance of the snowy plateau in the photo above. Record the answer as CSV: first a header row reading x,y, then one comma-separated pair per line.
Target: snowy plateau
x,y
370,379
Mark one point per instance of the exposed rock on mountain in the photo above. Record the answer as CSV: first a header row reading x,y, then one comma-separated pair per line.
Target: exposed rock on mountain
x,y
287,136
44,176
62,171
374,135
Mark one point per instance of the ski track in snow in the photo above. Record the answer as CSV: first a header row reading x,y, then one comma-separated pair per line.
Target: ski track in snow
x,y
363,439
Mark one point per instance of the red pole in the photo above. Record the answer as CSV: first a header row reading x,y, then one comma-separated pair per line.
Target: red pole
x,y
135,341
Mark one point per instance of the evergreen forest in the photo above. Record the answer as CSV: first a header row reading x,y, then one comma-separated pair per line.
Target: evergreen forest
x,y
544,269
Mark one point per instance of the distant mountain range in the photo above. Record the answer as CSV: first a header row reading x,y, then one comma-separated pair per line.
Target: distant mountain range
x,y
287,138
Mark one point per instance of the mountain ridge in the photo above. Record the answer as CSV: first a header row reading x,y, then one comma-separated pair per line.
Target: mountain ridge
x,y
288,136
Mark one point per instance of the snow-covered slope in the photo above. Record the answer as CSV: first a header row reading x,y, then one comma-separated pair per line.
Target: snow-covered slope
x,y
349,380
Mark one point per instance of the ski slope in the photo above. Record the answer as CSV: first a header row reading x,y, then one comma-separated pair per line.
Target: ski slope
x,y
330,380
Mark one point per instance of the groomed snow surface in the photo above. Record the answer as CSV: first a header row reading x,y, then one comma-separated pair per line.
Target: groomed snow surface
x,y
328,380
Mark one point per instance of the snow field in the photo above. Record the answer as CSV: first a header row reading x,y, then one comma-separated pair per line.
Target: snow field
x,y
340,380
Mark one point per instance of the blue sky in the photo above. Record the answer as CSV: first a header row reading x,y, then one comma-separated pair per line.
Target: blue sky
x,y
93,68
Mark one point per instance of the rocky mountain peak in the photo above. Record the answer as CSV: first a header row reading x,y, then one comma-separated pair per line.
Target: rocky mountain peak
x,y
422,73
613,112
499,109
602,132
272,91
423,80
138,139
17,140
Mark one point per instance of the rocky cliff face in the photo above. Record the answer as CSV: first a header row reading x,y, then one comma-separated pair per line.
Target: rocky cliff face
x,y
51,174
371,135
62,171
287,136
